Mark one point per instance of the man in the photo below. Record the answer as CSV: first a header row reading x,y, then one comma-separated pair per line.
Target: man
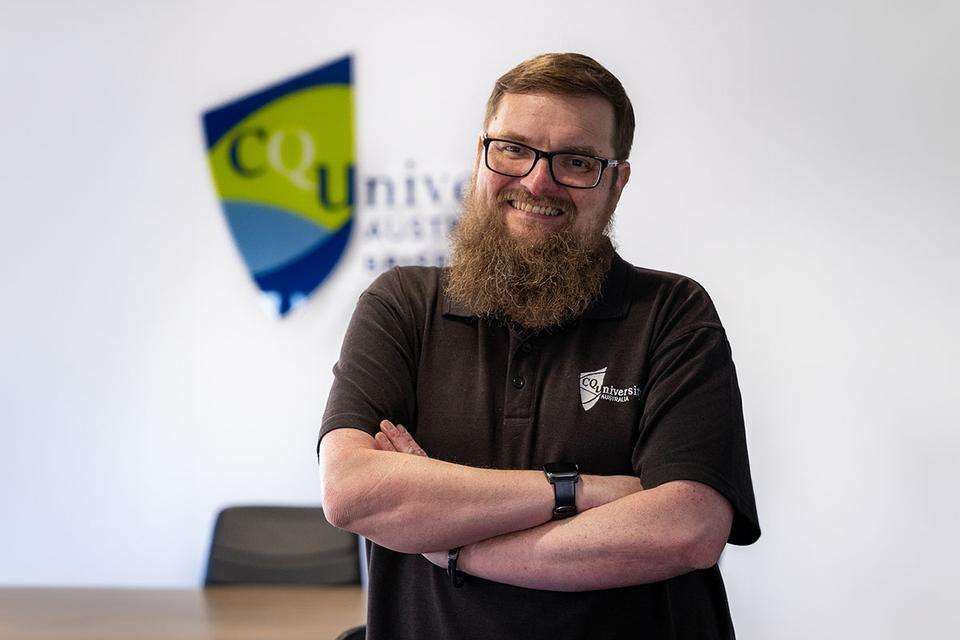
x,y
537,350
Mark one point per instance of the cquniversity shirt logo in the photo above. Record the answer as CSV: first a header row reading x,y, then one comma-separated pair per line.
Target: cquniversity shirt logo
x,y
592,389
591,384
282,162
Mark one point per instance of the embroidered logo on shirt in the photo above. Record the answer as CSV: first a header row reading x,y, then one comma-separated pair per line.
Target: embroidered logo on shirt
x,y
592,390
590,385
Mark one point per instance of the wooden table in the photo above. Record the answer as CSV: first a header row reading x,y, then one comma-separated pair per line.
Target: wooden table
x,y
221,613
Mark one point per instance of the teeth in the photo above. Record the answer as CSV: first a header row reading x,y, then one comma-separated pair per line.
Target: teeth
x,y
532,208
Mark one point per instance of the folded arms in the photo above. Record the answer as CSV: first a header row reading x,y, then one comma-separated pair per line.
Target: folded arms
x,y
388,490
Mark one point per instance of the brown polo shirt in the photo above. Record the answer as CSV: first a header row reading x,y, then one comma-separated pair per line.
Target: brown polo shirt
x,y
643,383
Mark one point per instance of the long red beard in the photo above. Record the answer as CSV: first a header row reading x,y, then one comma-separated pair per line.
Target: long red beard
x,y
536,284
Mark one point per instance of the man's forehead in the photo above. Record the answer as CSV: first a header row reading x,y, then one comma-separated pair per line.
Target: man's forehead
x,y
554,122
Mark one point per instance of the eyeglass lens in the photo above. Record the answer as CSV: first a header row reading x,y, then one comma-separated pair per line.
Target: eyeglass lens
x,y
569,169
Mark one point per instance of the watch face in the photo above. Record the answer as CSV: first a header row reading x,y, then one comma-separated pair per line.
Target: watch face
x,y
561,470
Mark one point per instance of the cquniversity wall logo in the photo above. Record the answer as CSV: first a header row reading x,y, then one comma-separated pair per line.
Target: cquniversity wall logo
x,y
282,162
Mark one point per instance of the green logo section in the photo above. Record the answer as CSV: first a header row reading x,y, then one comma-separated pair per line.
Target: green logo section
x,y
294,154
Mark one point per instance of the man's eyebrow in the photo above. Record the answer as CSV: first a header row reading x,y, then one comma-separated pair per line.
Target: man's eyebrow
x,y
575,148
586,151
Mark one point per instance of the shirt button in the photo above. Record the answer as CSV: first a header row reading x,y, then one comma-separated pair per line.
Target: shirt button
x,y
518,382
526,348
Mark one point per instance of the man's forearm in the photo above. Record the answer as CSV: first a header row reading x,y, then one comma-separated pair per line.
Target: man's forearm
x,y
644,537
412,504
415,504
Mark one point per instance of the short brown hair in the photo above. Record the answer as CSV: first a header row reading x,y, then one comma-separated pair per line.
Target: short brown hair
x,y
570,74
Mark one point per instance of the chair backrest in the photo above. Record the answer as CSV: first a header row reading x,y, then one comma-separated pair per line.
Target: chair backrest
x,y
280,545
354,633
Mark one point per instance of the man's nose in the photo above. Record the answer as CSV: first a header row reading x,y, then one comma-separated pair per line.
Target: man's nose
x,y
539,181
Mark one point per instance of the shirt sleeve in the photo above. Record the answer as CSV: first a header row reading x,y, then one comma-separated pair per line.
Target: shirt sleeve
x,y
375,376
692,423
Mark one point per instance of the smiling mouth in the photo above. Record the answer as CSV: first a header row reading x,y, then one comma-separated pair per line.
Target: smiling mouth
x,y
535,208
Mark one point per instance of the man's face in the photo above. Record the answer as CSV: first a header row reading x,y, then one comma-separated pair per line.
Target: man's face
x,y
552,123
536,269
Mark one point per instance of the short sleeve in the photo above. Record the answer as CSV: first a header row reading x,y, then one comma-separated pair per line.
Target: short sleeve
x,y
375,376
692,423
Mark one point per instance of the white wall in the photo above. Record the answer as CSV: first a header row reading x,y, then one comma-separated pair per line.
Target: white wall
x,y
801,160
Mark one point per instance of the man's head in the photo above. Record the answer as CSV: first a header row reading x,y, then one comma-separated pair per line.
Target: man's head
x,y
569,74
532,242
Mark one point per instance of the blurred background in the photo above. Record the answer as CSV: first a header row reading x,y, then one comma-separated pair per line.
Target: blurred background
x,y
800,160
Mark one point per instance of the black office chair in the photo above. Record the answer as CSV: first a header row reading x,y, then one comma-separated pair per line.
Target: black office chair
x,y
356,633
280,545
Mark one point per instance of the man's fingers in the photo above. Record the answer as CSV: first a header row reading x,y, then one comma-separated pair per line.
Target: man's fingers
x,y
405,442
400,439
383,442
383,437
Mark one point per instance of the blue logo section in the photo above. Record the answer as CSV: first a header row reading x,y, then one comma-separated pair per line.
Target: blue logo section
x,y
282,161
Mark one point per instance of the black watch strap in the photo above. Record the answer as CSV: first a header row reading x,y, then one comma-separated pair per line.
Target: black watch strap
x,y
456,577
565,499
564,477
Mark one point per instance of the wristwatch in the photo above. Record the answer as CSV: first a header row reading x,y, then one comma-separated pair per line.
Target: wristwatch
x,y
563,476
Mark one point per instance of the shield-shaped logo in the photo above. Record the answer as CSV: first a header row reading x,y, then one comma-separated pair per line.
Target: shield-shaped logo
x,y
591,385
282,162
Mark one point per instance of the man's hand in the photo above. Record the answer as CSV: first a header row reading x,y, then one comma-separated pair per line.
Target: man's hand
x,y
393,437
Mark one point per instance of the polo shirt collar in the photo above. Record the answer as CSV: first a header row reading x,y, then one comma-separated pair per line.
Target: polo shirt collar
x,y
612,303
455,308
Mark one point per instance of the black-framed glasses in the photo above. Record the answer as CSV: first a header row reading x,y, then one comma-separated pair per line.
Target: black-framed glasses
x,y
515,159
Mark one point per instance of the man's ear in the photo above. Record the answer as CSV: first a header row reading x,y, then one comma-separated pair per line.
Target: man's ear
x,y
478,157
623,175
479,148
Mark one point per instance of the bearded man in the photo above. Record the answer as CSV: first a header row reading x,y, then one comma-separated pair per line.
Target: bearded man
x,y
573,459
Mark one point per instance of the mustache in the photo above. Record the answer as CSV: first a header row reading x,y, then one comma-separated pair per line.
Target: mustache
x,y
518,195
